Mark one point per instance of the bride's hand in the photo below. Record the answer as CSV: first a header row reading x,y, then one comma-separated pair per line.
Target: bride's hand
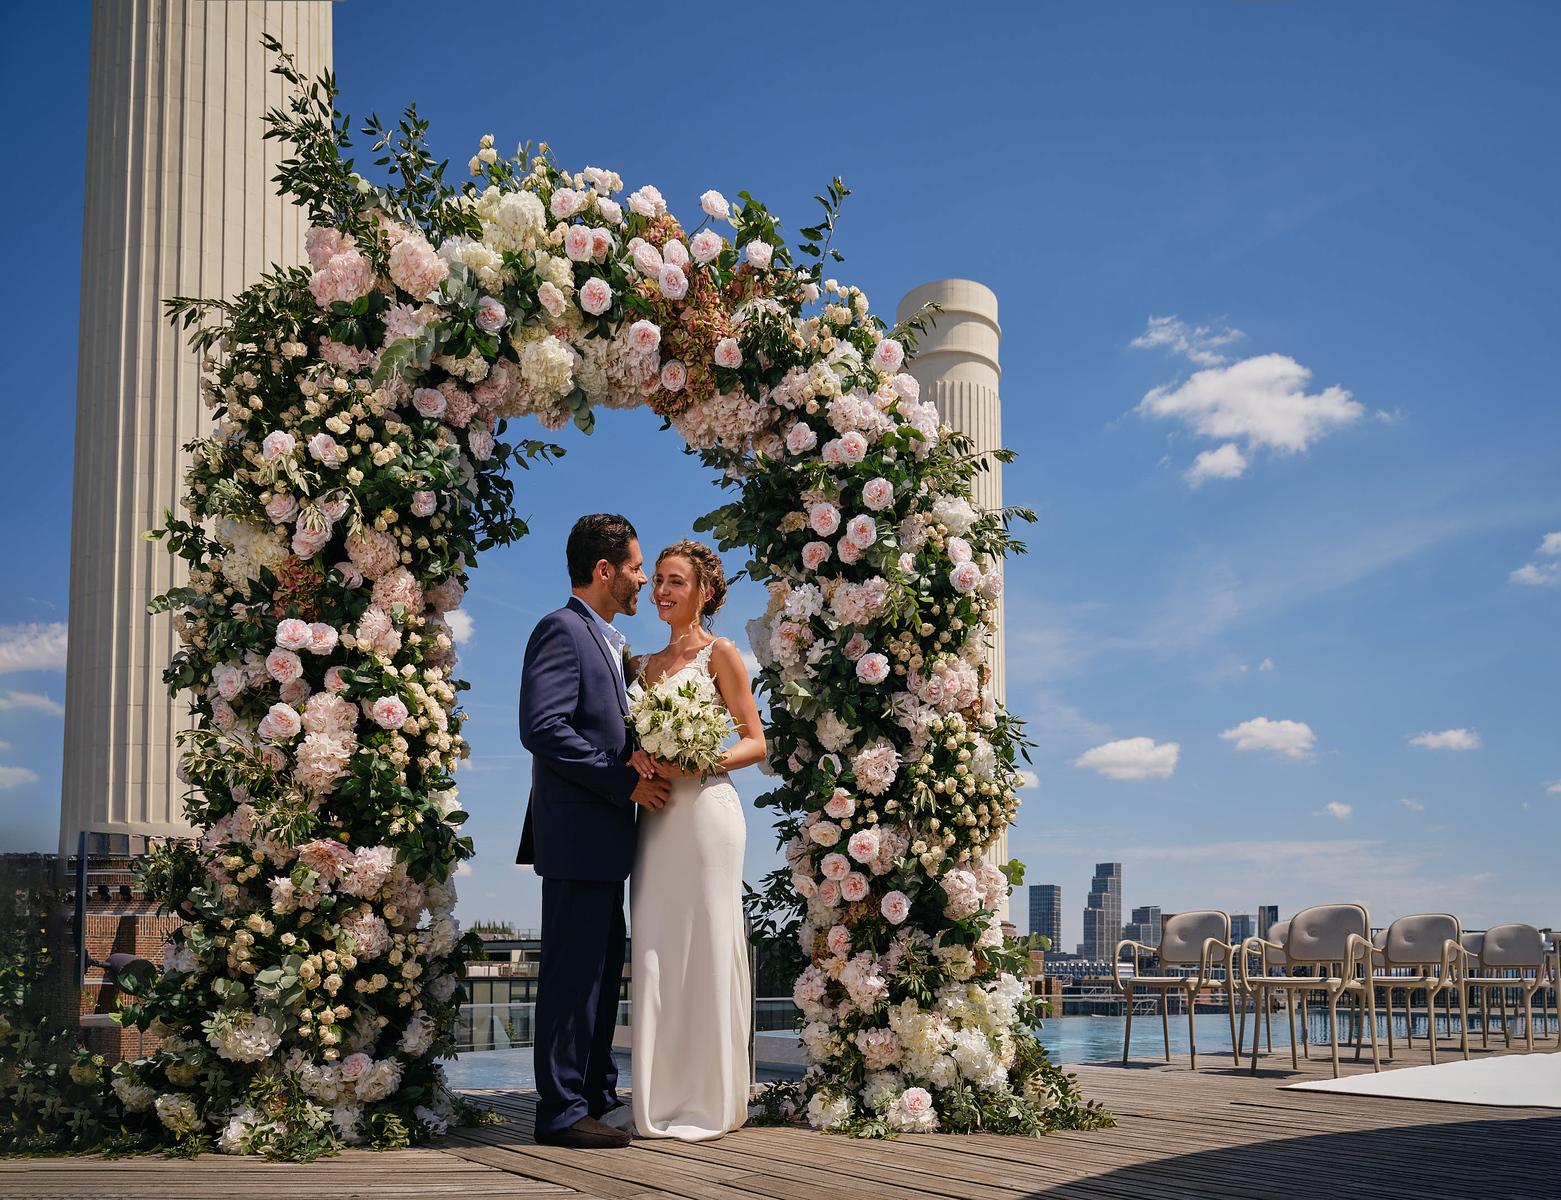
x,y
669,770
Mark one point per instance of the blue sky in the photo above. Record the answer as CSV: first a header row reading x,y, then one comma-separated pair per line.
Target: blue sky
x,y
1365,193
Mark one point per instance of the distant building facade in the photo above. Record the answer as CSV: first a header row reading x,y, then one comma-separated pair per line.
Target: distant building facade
x,y
1103,913
1144,926
1267,917
1242,927
1046,912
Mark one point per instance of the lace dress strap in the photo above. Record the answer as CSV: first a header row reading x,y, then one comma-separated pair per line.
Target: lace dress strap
x,y
702,659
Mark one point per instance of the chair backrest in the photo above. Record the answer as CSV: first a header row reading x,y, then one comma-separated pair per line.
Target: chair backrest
x,y
1418,940
1321,933
1473,943
1182,936
1279,934
1512,945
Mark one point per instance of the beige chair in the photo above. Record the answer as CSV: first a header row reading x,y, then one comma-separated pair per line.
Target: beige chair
x,y
1422,953
1198,939
1506,958
1272,959
1327,950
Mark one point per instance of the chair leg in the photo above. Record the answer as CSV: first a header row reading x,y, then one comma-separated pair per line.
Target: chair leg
x,y
1506,1021
1165,1020
1358,1015
1241,1028
1127,1035
1268,1025
1463,1013
1430,1016
1306,1029
1371,1015
1485,1018
1409,1007
1333,1031
1192,1035
1290,1002
1235,1042
1259,996
1528,1020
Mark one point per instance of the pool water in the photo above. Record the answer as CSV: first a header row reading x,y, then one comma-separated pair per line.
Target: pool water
x,y
1067,1040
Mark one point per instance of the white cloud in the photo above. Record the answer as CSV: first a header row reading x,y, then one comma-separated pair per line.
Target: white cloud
x,y
1198,343
751,661
31,700
1336,810
1290,739
461,626
1226,462
1555,788
11,777
1412,805
1132,758
32,648
1447,739
1028,780
1542,574
1261,401
1266,665
464,867
4,746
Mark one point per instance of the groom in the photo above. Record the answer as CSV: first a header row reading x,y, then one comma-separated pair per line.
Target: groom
x,y
580,829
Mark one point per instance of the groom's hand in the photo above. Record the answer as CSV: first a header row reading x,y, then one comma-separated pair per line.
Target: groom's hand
x,y
643,763
651,794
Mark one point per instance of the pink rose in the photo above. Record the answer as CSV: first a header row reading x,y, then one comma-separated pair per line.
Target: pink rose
x,y
728,354
324,449
430,402
916,1101
491,316
335,508
863,845
715,205
322,638
673,376
824,833
294,692
222,714
907,386
601,244
292,634
895,906
823,518
333,679
872,668
228,680
848,550
480,443
647,202
878,494
309,542
281,723
551,299
958,550
424,504
815,555
595,296
800,438
839,940
804,886
647,259
965,578
840,805
565,203
283,665
992,586
855,648
277,444
673,282
577,243
853,447
388,712
759,254
888,356
854,887
351,576
281,508
705,245
676,253
835,866
829,893
354,1065
645,336
862,530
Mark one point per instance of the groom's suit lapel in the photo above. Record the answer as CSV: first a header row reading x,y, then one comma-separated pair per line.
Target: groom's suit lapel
x,y
577,606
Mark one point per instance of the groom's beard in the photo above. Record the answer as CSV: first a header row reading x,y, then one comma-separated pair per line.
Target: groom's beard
x,y
625,594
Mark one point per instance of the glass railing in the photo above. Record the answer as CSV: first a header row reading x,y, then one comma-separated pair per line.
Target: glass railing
x,y
503,1026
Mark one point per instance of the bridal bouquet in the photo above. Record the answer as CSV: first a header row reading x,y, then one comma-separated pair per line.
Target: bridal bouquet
x,y
682,721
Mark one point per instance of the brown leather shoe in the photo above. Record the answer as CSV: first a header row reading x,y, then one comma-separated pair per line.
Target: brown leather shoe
x,y
586,1134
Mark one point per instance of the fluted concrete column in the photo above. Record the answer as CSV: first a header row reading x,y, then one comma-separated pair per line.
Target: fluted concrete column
x,y
957,366
179,201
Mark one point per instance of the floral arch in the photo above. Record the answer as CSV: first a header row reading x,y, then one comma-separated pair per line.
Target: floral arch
x,y
359,463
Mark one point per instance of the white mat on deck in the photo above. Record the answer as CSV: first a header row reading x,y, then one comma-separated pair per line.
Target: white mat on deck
x,y
1514,1080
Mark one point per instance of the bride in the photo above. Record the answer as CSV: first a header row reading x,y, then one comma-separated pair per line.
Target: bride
x,y
690,990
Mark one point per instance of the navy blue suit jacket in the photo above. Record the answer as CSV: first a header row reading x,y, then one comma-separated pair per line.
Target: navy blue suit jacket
x,y
580,821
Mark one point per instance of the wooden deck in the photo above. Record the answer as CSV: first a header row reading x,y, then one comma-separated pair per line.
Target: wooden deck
x,y
1218,1133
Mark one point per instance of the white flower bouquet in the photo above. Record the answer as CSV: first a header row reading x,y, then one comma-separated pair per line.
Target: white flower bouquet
x,y
682,721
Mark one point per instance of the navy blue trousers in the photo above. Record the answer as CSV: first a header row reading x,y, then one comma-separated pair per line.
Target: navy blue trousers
x,y
577,1000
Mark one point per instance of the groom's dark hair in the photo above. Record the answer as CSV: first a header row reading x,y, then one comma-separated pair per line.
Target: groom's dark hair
x,y
595,537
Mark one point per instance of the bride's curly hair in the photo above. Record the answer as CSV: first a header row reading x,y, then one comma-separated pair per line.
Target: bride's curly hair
x,y
707,573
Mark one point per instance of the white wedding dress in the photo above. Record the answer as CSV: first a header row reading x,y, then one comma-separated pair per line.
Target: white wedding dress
x,y
690,990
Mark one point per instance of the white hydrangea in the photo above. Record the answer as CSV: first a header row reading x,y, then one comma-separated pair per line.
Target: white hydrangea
x,y
825,1112
178,1114
136,1097
242,1038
